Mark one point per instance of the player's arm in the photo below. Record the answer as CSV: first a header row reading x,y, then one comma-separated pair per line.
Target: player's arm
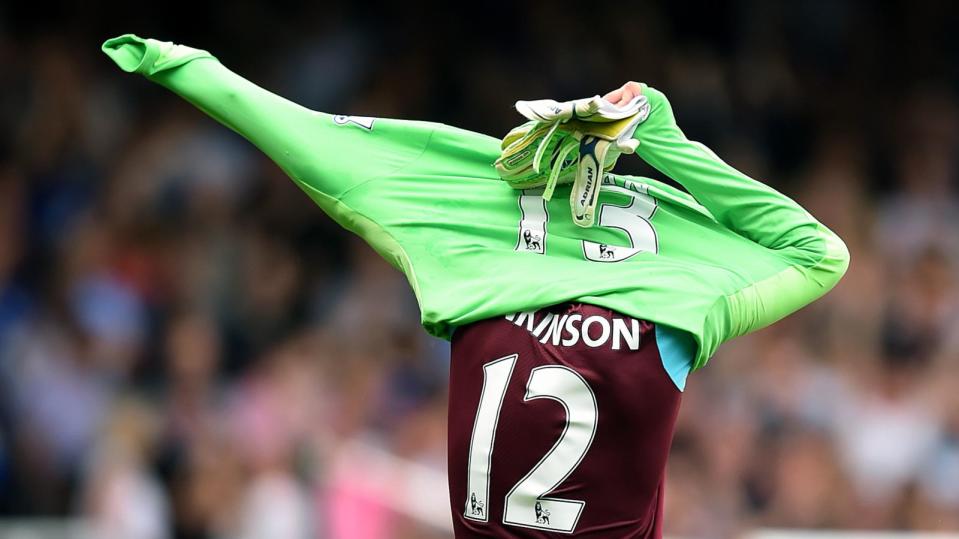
x,y
817,257
324,158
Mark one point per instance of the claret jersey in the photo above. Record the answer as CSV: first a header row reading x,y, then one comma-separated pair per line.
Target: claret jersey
x,y
730,256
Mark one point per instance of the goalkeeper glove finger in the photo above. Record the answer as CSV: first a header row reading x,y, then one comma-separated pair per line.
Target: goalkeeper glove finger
x,y
590,109
601,134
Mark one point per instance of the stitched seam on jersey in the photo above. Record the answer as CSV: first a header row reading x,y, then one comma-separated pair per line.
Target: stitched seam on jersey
x,y
338,202
414,282
426,146
827,252
735,318
700,338
823,256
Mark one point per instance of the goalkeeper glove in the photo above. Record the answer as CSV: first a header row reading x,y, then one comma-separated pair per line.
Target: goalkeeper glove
x,y
600,131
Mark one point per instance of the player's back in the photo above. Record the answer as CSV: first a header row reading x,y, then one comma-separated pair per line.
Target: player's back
x,y
560,420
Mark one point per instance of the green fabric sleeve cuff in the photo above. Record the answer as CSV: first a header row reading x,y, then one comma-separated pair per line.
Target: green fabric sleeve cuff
x,y
134,54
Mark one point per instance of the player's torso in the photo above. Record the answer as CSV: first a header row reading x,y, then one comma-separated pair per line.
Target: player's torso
x,y
560,421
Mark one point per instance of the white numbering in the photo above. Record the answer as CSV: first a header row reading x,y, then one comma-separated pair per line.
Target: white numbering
x,y
633,219
526,503
532,223
496,375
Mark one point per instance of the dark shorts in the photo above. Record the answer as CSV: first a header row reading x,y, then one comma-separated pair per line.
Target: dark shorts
x,y
560,422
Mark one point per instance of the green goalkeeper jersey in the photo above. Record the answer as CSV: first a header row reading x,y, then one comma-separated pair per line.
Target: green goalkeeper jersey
x,y
730,256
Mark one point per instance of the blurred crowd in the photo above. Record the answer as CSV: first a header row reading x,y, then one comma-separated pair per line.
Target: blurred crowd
x,y
189,348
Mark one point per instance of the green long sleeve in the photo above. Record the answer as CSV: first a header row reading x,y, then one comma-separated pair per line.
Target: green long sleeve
x,y
306,144
818,258
275,125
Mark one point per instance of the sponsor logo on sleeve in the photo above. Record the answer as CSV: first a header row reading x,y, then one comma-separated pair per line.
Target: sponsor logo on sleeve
x,y
364,122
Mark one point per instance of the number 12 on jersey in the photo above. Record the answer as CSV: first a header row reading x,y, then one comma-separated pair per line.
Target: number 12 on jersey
x,y
526,503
